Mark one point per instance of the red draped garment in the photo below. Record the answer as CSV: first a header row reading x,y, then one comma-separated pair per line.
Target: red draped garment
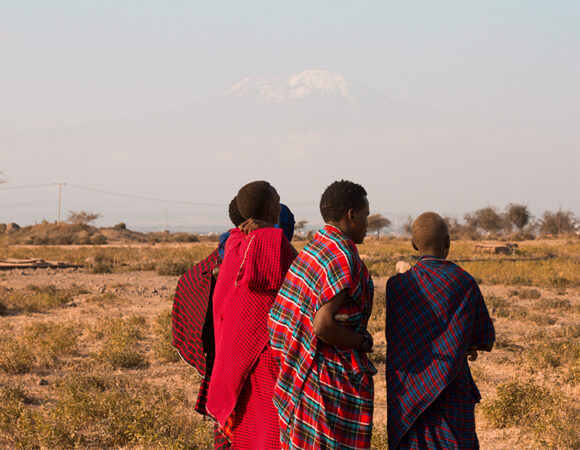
x,y
244,372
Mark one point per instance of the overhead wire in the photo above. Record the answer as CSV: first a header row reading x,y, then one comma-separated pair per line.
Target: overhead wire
x,y
29,186
139,197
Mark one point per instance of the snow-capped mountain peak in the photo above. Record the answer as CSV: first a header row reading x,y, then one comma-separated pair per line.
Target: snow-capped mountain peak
x,y
301,85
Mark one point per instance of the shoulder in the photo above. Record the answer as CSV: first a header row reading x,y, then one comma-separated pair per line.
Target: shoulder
x,y
393,281
267,233
332,250
461,274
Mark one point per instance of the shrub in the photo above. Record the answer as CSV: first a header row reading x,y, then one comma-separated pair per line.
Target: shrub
x,y
554,303
15,356
121,347
128,413
545,411
529,294
517,403
51,341
542,319
120,226
82,217
163,348
100,266
107,298
40,298
175,268
554,354
557,223
518,215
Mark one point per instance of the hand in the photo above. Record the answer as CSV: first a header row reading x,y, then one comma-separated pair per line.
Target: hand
x,y
253,224
472,354
367,343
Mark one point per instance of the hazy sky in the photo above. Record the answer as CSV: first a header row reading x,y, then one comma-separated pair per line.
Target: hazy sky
x,y
88,90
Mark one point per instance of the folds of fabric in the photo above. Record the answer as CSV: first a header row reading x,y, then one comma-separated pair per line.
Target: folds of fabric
x,y
250,276
190,307
324,395
435,312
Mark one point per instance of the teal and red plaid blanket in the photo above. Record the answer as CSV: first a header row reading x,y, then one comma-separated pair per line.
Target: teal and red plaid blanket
x,y
324,394
435,312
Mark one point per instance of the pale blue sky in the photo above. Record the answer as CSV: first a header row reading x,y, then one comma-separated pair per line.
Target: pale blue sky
x,y
502,75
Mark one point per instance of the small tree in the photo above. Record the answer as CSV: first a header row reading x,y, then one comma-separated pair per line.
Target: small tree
x,y
518,215
471,223
300,225
489,219
408,225
454,227
82,217
377,222
557,223
2,181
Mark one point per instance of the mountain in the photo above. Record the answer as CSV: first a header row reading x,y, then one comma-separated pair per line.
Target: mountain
x,y
310,83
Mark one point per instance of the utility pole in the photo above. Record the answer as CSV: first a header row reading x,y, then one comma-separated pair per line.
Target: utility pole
x,y
165,220
60,185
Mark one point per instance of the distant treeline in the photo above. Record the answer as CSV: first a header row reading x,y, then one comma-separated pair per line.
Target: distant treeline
x,y
515,221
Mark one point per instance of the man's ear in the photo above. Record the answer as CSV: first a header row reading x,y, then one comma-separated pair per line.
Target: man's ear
x,y
350,214
447,241
414,246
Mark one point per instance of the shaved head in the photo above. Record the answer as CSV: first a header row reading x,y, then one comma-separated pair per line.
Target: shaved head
x,y
429,232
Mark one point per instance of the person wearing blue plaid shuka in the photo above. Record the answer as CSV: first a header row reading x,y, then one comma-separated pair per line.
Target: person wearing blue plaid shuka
x,y
436,319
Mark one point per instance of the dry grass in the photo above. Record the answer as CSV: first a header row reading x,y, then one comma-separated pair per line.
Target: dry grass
x,y
37,298
101,411
41,345
121,346
543,409
163,349
92,357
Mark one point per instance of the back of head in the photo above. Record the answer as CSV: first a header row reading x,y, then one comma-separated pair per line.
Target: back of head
x,y
286,221
339,197
429,231
254,198
234,213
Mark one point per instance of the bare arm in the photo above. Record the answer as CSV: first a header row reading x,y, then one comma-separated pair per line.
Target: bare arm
x,y
253,224
327,329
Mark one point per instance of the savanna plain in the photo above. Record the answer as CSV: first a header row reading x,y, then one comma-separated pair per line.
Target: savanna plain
x,y
86,359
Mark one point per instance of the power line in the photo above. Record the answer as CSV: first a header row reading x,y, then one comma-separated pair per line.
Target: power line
x,y
29,186
139,197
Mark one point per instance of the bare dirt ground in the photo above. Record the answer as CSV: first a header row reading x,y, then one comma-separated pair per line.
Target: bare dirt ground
x,y
527,319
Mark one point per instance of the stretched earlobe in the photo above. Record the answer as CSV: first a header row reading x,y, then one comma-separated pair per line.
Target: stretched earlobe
x,y
414,246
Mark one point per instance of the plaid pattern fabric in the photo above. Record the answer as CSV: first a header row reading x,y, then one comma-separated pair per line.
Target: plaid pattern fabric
x,y
324,395
192,333
435,312
193,328
242,382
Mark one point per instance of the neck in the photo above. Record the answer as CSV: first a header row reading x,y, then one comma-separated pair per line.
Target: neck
x,y
435,252
340,225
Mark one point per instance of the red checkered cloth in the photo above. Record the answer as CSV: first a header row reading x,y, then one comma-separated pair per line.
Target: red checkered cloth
x,y
193,327
244,371
324,394
435,312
